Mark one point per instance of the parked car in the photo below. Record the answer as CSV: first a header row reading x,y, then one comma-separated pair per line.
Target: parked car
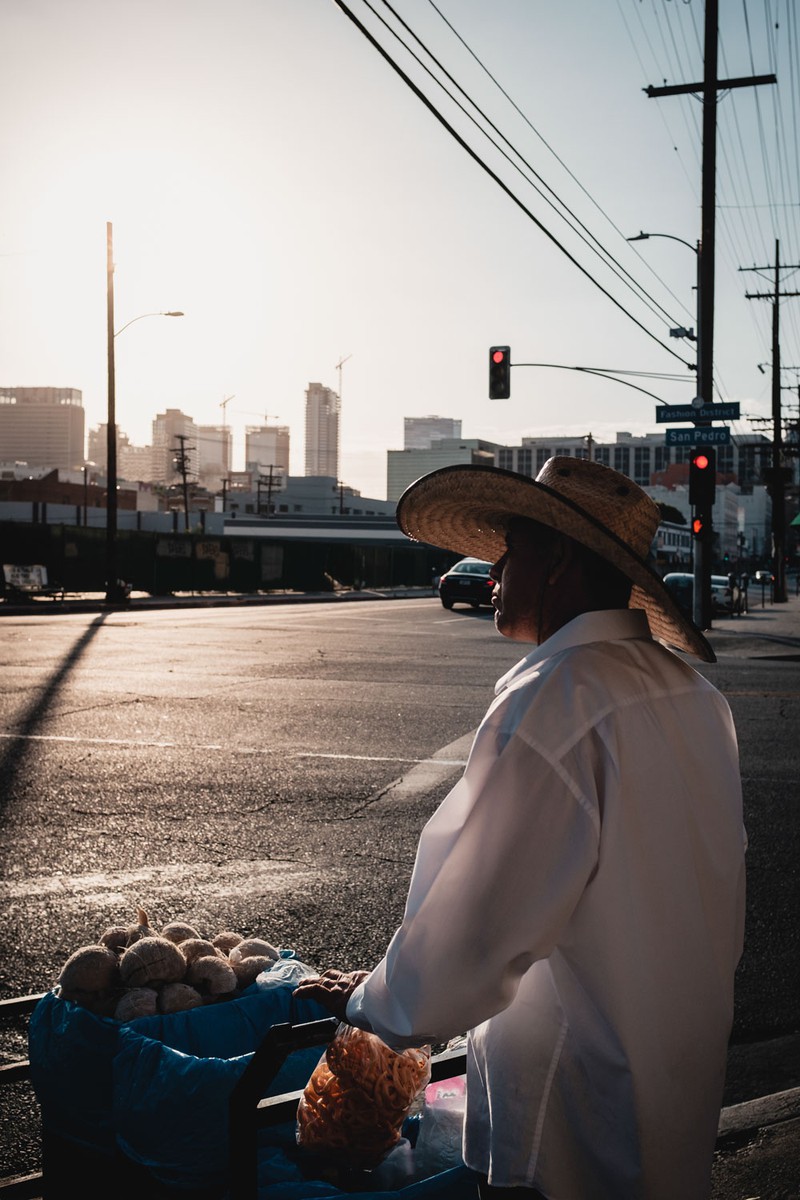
x,y
468,582
726,599
680,584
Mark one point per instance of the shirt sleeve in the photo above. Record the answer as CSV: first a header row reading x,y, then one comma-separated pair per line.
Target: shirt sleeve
x,y
500,867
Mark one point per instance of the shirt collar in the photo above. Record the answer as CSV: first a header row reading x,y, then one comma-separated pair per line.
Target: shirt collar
x,y
606,625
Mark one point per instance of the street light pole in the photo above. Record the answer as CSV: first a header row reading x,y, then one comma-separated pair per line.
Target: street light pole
x,y
115,593
701,564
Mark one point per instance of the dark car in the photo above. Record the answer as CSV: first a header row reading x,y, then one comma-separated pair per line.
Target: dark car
x,y
468,582
726,599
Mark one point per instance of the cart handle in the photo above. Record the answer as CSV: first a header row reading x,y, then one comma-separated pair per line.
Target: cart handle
x,y
246,1104
278,1042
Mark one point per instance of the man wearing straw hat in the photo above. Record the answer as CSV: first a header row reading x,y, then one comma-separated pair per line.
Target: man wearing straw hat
x,y
577,901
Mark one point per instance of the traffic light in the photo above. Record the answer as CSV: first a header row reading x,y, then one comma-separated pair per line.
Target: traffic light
x,y
703,477
698,526
499,372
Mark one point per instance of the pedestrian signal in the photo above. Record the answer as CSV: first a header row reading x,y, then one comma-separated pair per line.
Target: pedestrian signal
x,y
703,477
499,372
698,526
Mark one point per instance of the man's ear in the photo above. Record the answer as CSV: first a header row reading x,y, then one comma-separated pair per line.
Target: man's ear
x,y
562,556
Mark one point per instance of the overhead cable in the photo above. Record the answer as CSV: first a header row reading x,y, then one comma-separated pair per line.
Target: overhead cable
x,y
598,249
493,175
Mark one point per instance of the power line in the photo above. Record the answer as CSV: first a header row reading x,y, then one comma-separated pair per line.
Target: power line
x,y
598,249
493,175
533,129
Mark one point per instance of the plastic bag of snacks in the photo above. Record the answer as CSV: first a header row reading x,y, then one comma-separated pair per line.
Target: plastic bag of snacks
x,y
358,1096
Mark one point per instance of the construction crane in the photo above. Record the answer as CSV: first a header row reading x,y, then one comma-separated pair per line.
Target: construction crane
x,y
338,368
224,405
265,416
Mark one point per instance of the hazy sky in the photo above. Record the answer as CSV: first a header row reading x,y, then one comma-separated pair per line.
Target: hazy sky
x,y
266,171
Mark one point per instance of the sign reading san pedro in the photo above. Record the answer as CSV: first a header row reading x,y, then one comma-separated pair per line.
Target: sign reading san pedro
x,y
698,437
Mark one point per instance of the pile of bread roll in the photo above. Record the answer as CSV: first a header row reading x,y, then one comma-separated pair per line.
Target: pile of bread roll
x,y
138,971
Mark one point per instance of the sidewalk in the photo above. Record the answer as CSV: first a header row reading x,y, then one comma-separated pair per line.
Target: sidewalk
x,y
139,601
758,1148
764,632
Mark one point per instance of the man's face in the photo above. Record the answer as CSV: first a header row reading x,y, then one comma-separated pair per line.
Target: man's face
x,y
520,596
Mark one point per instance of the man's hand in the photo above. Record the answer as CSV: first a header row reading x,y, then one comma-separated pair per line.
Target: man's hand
x,y
332,989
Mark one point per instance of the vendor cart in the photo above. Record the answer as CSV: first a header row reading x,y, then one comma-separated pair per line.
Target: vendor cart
x,y
180,1126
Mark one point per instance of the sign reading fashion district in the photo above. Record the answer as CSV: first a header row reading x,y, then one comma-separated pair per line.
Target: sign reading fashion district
x,y
698,437
686,412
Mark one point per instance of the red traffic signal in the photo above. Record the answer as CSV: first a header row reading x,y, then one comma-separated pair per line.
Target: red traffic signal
x,y
703,477
698,525
499,372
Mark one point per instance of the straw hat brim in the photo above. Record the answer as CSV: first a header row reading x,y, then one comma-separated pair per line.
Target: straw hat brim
x,y
467,509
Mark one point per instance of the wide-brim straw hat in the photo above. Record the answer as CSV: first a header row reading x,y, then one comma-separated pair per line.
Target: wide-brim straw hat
x,y
467,509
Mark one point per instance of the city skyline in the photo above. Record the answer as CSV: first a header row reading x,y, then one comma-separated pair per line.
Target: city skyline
x,y
268,174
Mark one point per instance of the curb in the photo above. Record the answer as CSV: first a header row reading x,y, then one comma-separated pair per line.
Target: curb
x,y
741,1119
139,604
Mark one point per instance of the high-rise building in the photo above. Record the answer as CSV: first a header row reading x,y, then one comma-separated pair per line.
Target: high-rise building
x,y
173,432
404,466
267,446
135,463
42,426
214,455
419,433
322,431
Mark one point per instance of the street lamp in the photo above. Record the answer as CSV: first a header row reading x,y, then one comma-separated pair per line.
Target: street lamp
x,y
143,315
115,593
641,236
701,604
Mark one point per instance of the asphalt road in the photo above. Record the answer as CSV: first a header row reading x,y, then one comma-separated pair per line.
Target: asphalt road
x,y
268,769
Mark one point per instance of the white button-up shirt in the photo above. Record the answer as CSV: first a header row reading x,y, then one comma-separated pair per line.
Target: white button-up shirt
x,y
577,904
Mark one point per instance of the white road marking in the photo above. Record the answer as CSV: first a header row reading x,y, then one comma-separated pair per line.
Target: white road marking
x,y
438,757
429,772
105,887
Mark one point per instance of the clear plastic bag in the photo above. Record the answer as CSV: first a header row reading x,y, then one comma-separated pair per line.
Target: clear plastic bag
x,y
358,1096
438,1145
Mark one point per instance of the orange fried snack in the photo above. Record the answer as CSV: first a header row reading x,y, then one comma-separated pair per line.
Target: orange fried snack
x,y
359,1095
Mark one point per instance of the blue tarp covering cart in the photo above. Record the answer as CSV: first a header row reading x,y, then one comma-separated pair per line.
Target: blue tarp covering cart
x,y
201,1104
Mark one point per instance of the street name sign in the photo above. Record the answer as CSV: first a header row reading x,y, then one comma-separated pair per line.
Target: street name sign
x,y
698,437
686,412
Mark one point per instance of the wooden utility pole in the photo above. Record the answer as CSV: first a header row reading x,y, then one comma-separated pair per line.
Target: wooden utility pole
x,y
270,484
709,87
776,474
182,463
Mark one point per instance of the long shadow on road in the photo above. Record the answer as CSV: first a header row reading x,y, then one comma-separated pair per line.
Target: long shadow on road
x,y
19,740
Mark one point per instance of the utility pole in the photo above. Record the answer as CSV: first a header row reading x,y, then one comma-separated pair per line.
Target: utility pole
x,y
269,490
182,464
114,594
270,484
710,86
776,475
